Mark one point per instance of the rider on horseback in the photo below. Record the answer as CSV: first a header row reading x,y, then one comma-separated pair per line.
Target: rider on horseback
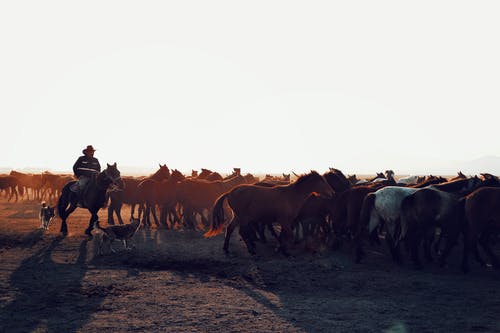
x,y
86,167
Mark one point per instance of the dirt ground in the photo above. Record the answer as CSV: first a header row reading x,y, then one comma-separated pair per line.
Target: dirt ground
x,y
177,281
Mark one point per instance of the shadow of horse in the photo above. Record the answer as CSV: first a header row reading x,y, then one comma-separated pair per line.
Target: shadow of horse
x,y
43,296
312,294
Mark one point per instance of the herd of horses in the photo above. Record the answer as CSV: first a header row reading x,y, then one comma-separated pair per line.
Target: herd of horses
x,y
417,213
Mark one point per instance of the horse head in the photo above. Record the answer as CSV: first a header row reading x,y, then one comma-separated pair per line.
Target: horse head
x,y
314,182
337,180
490,180
162,173
113,176
177,176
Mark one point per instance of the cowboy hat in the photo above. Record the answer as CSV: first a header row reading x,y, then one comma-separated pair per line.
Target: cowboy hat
x,y
88,149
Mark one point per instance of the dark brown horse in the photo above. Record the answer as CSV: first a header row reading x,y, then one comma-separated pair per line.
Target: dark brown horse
x,y
251,204
483,223
438,206
168,199
316,213
148,190
127,194
459,175
94,197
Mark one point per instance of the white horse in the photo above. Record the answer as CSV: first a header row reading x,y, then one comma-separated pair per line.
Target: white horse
x,y
384,207
410,180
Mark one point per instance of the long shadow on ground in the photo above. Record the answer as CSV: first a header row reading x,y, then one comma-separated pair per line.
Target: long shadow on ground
x,y
50,296
330,293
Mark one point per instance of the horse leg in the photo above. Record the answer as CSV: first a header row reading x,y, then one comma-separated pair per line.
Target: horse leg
x,y
153,212
393,248
64,215
145,215
204,220
140,211
163,216
484,240
93,218
247,235
415,240
428,239
118,211
111,209
285,237
132,210
229,230
450,235
437,244
189,218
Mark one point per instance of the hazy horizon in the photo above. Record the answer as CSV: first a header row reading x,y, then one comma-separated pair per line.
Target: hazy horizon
x,y
489,164
270,87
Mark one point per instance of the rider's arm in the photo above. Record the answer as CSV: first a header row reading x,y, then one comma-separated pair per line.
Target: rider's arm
x,y
76,166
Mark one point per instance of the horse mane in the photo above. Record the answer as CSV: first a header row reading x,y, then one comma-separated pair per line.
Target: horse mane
x,y
454,185
305,178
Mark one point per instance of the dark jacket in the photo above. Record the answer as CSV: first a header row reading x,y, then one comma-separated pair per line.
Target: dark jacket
x,y
84,166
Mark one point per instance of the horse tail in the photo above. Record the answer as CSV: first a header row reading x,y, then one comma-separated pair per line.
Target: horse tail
x,y
407,216
217,217
366,212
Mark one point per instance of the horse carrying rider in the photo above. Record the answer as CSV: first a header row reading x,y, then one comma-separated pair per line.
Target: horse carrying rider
x,y
85,167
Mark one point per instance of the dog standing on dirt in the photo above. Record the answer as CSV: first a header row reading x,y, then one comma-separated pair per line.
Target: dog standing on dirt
x,y
123,232
46,215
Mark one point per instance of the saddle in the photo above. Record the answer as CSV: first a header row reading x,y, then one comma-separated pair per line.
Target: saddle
x,y
81,193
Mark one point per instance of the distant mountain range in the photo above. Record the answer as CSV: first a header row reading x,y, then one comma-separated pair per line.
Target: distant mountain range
x,y
490,164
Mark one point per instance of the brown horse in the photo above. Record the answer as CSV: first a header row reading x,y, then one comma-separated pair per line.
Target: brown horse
x,y
251,204
483,223
24,182
459,175
197,196
167,199
204,173
9,184
49,185
316,213
127,194
148,190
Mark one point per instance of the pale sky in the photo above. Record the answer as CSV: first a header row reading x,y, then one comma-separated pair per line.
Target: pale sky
x,y
268,86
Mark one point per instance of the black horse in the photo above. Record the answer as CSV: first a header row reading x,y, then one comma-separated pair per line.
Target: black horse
x,y
94,197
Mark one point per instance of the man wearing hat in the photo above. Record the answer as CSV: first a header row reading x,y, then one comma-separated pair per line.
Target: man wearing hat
x,y
85,167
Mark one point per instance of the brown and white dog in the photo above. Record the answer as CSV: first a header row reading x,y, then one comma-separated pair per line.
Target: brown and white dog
x,y
123,232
